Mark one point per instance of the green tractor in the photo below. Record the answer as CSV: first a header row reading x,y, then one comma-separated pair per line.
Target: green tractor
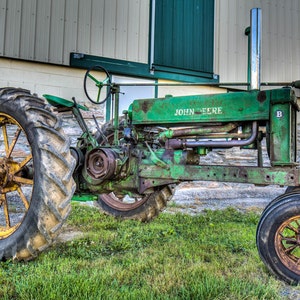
x,y
133,163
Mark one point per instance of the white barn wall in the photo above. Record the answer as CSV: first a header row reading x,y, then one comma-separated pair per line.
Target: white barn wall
x,y
42,78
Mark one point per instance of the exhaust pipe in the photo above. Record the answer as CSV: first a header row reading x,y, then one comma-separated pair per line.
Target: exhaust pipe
x,y
255,48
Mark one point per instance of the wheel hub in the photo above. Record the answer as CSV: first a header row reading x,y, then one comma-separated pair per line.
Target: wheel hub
x,y
287,239
8,169
3,173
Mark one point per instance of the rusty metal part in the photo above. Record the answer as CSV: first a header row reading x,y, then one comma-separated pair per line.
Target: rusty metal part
x,y
101,163
179,144
11,175
3,172
197,131
243,174
287,243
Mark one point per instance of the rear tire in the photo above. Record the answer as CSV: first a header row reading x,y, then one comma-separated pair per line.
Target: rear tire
x,y
144,208
36,175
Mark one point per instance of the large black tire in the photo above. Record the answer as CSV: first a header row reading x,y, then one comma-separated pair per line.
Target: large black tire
x,y
143,207
36,168
278,237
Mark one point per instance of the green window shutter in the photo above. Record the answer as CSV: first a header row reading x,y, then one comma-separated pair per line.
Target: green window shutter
x,y
184,35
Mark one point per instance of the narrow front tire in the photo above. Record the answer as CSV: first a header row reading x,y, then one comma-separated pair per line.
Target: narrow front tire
x,y
278,238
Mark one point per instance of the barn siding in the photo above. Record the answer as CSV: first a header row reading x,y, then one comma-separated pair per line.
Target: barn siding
x,y
48,30
70,29
280,39
28,30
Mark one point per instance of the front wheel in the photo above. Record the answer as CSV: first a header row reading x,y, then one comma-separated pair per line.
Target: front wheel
x,y
278,238
36,169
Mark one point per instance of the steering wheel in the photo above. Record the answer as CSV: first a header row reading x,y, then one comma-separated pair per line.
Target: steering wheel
x,y
99,95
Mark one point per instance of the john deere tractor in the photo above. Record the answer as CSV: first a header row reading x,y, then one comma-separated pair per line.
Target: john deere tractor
x,y
132,164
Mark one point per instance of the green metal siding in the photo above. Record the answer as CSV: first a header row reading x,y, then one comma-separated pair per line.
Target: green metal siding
x,y
184,34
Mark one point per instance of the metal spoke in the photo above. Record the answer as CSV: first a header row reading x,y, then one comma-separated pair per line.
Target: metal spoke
x,y
14,141
22,180
98,96
298,226
93,78
5,209
23,198
291,227
290,249
5,138
23,163
289,239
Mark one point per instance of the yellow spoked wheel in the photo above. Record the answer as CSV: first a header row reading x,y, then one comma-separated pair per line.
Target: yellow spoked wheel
x,y
36,169
16,175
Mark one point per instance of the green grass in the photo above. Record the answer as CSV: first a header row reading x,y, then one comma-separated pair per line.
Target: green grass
x,y
210,256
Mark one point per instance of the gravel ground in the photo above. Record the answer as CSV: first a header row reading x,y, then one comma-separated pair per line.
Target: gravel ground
x,y
195,197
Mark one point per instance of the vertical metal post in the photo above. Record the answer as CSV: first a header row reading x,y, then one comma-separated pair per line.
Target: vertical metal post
x,y
255,48
247,33
116,94
152,33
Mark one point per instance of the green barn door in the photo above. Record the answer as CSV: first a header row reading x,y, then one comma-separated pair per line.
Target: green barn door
x,y
184,36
